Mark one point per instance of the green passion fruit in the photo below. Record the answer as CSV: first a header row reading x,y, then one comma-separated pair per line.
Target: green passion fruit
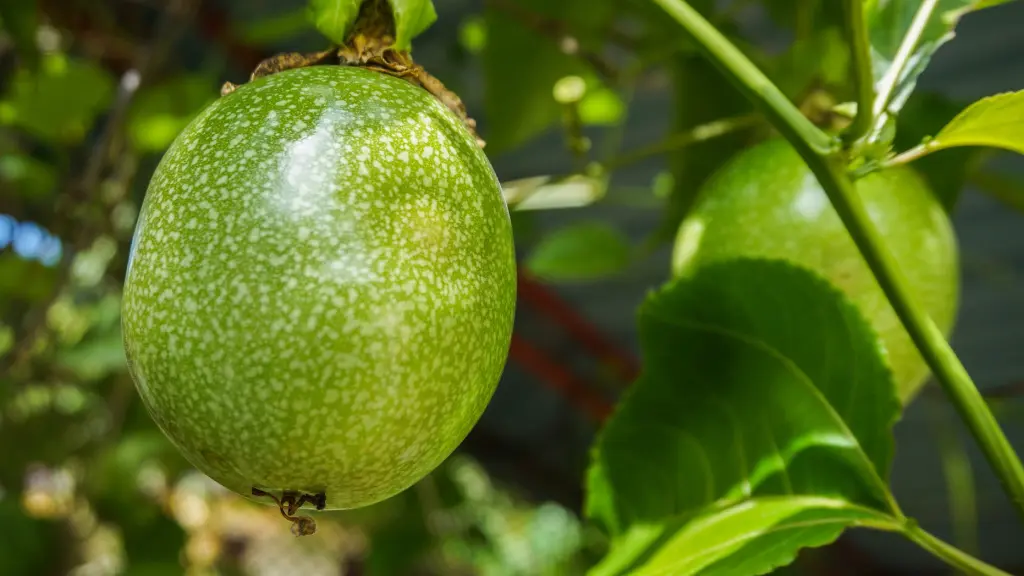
x,y
321,287
766,203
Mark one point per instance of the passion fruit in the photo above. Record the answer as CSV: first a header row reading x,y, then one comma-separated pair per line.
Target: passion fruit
x,y
766,203
321,287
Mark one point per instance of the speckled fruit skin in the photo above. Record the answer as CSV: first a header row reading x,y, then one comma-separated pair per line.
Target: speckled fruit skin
x,y
321,287
766,203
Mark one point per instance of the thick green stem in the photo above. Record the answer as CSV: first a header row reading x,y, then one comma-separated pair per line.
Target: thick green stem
x,y
949,554
758,88
830,170
857,38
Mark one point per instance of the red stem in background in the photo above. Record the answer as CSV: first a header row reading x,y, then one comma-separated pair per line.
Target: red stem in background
x,y
579,393
589,336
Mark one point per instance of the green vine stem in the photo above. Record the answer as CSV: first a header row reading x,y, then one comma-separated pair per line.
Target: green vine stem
x,y
820,154
857,37
949,554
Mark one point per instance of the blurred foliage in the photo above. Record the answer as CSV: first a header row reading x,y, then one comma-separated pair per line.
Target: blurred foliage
x,y
90,486
59,102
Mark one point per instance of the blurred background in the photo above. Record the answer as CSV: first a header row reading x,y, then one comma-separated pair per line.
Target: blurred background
x,y
91,94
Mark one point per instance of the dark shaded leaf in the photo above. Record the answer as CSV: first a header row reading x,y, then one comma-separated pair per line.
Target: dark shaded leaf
x,y
26,548
20,18
763,404
23,279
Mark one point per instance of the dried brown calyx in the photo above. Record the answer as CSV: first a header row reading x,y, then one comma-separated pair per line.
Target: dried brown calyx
x,y
290,503
369,45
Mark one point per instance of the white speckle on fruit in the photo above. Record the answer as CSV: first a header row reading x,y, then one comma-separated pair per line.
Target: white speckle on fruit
x,y
322,286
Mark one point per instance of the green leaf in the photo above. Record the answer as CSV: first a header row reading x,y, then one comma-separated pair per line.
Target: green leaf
x,y
761,423
38,101
996,122
161,111
754,537
20,19
581,252
890,20
412,17
333,17
521,66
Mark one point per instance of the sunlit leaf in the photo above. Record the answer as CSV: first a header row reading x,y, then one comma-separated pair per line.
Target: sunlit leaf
x,y
39,103
761,424
890,20
334,17
580,252
412,17
996,121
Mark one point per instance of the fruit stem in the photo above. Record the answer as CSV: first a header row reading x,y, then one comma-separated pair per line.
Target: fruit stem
x,y
830,169
857,38
748,78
